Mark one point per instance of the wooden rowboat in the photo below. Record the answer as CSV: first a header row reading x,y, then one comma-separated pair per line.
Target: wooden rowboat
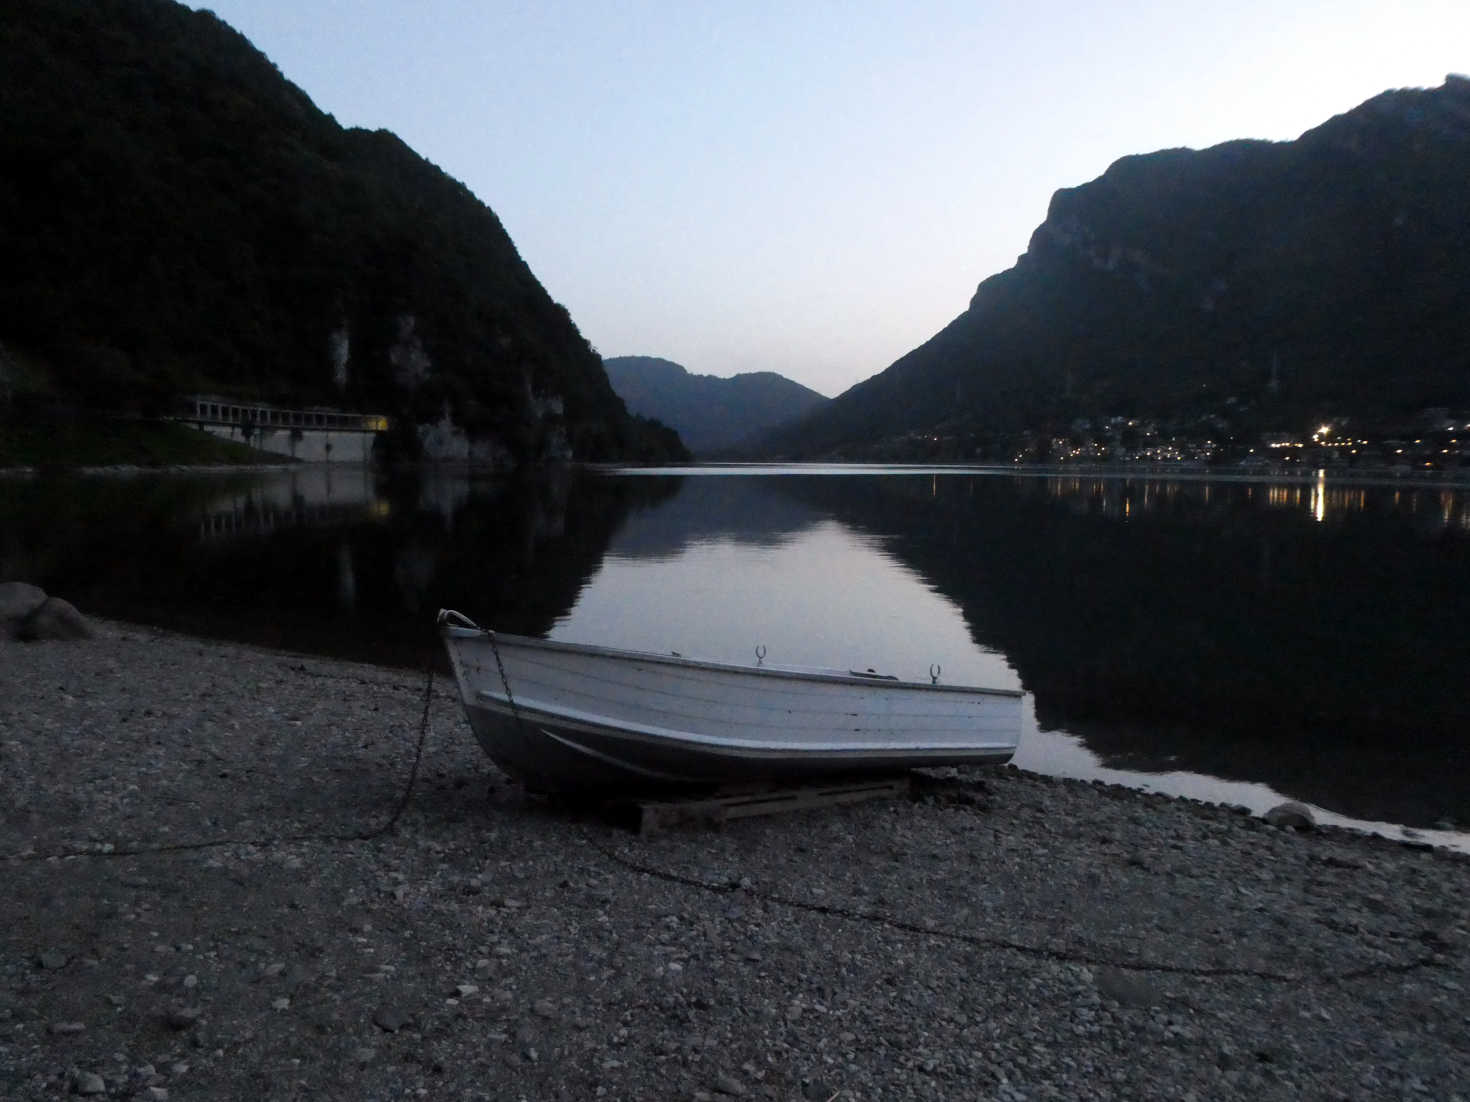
x,y
564,717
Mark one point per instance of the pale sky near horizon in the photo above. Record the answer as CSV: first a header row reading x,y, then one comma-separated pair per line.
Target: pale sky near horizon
x,y
817,188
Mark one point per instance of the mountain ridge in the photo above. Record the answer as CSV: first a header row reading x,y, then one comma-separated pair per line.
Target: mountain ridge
x,y
1317,278
712,415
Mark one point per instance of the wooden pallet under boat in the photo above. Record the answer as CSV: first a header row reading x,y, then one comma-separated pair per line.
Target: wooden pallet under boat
x,y
746,801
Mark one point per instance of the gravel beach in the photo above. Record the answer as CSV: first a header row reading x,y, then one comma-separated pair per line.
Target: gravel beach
x,y
213,890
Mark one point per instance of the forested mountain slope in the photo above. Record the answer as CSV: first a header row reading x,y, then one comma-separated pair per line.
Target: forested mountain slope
x,y
176,216
1255,284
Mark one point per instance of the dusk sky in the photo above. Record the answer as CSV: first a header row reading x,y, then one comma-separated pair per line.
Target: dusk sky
x,y
816,188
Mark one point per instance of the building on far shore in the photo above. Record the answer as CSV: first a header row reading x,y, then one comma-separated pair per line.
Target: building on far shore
x,y
317,434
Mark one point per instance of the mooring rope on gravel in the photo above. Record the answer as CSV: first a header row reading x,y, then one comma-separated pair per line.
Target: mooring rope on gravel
x,y
107,849
981,941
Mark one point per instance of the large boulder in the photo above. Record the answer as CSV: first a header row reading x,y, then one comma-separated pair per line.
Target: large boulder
x,y
17,601
54,619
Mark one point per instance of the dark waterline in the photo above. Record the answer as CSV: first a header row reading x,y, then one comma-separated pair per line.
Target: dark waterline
x,y
1305,636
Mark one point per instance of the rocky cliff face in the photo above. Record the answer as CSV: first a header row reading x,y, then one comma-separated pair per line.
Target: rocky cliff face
x,y
1379,172
1260,282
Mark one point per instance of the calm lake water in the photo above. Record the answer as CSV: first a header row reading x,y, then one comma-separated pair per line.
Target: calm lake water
x,y
1230,640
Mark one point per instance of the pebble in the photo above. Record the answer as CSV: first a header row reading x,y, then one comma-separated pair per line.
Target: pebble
x,y
1292,814
185,1017
88,1083
1126,988
390,1018
728,1084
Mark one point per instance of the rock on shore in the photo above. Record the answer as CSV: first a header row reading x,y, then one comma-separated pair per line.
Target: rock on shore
x,y
18,600
28,614
198,904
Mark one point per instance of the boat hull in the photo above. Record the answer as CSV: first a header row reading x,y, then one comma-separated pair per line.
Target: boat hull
x,y
579,718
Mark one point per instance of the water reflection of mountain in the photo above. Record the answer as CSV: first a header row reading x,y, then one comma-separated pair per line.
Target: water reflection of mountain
x,y
1216,628
357,580
1304,636
738,509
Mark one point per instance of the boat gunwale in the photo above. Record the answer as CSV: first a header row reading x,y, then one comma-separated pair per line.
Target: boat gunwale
x,y
467,634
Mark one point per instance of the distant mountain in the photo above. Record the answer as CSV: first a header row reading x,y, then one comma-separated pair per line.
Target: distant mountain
x,y
175,216
711,415
1250,285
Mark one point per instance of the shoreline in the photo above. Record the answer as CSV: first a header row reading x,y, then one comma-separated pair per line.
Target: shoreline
x,y
1184,472
253,932
124,470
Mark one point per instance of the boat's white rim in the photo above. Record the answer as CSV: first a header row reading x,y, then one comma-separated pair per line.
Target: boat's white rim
x,y
456,631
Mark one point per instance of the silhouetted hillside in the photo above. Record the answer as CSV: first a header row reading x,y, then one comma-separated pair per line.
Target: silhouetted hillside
x,y
711,415
1263,285
176,216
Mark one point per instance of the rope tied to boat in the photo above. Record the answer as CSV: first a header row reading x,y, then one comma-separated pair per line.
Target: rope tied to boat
x,y
458,619
504,681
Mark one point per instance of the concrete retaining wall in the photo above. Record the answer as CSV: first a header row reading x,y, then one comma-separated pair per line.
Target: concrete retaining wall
x,y
309,445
